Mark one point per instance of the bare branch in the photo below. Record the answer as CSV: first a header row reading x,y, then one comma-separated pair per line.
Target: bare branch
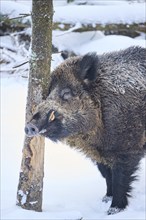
x,y
25,14
8,48
20,65
72,29
22,16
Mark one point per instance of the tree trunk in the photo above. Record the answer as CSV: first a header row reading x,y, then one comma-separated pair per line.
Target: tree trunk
x,y
30,187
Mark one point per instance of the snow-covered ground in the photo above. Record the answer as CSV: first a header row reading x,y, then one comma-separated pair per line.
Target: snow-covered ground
x,y
122,12
73,186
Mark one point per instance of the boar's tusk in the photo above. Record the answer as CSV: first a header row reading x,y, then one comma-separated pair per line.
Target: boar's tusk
x,y
52,116
42,131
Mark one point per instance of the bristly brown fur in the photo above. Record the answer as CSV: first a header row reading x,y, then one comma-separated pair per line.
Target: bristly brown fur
x,y
99,107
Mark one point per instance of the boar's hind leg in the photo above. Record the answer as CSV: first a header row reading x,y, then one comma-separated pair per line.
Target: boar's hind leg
x,y
122,177
107,174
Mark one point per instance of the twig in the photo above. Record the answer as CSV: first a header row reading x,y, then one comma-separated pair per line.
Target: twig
x,y
12,50
8,54
25,14
28,61
22,16
24,77
20,65
93,35
76,27
57,52
7,70
19,32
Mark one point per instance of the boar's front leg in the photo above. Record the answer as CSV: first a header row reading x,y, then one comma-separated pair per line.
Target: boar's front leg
x,y
107,174
122,177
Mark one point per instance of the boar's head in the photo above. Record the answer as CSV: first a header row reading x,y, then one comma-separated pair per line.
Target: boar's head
x,y
69,108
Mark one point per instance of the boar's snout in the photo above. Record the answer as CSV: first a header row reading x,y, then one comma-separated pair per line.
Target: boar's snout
x,y
31,130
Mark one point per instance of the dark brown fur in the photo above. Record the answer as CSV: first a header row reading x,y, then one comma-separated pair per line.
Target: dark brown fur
x,y
99,104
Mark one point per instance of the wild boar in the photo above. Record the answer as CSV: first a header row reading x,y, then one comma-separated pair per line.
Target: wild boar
x,y
97,104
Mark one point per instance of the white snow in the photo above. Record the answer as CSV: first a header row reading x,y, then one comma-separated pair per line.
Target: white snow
x,y
14,9
73,187
24,197
131,13
84,14
85,42
34,202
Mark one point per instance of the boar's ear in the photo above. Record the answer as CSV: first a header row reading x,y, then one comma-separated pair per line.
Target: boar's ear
x,y
88,67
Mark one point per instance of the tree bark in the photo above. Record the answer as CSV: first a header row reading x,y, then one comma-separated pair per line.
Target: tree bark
x,y
30,187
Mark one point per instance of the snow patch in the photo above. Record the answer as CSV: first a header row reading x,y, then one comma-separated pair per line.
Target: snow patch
x,y
24,197
73,186
34,202
101,14
85,14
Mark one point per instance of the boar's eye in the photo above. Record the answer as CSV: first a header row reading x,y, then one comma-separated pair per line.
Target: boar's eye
x,y
66,94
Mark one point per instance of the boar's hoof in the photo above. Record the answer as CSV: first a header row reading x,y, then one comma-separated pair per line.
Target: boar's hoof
x,y
114,210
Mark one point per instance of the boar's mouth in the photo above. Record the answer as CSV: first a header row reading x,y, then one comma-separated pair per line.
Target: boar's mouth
x,y
51,127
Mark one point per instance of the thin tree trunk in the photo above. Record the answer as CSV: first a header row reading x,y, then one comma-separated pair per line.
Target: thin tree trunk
x,y
30,187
